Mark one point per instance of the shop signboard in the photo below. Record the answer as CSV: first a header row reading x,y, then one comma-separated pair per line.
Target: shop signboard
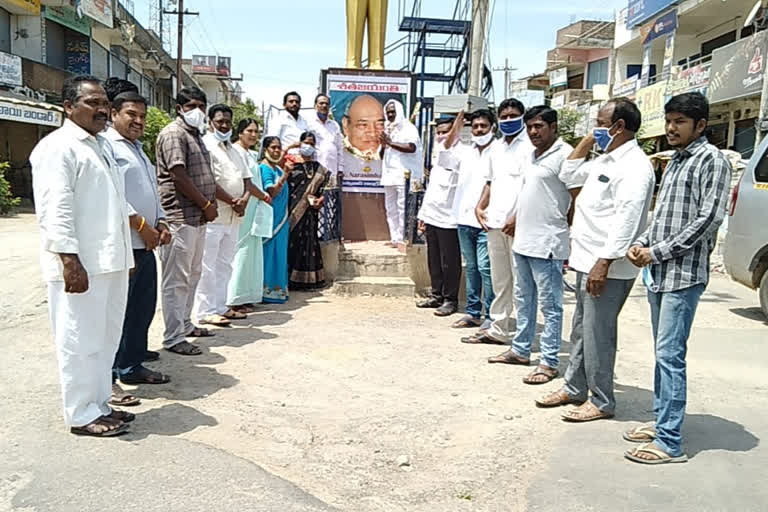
x,y
67,16
738,69
99,10
558,77
224,66
204,64
23,7
22,113
357,103
650,101
10,69
662,26
639,11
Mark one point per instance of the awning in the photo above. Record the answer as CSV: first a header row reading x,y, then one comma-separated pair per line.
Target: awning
x,y
24,110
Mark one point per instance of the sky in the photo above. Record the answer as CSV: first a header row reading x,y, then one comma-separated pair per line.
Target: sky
x,y
280,46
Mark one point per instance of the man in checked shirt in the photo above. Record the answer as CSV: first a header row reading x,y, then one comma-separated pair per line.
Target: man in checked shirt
x,y
674,254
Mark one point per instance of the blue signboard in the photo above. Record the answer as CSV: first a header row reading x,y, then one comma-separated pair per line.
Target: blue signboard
x,y
662,26
639,11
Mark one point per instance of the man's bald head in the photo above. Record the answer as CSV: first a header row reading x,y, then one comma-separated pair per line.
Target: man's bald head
x,y
364,122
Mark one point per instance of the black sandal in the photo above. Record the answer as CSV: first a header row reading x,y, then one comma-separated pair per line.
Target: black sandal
x,y
142,375
200,332
87,430
125,417
185,348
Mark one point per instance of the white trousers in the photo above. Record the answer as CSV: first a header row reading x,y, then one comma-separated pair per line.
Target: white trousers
x,y
219,252
86,331
503,277
394,199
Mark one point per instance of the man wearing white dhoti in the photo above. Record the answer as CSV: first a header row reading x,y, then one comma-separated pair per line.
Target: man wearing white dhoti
x,y
85,255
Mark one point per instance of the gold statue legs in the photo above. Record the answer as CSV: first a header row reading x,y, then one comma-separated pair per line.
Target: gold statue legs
x,y
374,12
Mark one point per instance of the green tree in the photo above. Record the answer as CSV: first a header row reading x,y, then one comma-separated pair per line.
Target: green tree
x,y
156,121
7,201
245,110
567,119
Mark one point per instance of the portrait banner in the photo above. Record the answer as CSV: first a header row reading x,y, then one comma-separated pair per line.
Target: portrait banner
x,y
357,104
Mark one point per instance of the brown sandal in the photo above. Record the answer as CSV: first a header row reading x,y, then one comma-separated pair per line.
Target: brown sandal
x,y
556,399
550,374
122,398
481,339
584,413
112,428
509,357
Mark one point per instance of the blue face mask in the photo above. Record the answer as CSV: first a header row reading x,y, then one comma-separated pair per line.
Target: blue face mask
x,y
322,117
511,126
603,137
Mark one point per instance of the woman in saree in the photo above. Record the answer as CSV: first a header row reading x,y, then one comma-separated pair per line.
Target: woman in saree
x,y
307,182
276,248
246,287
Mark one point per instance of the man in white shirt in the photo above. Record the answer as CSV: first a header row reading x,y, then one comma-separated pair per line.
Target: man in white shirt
x,y
611,212
437,219
494,213
400,154
288,125
85,255
473,163
149,230
232,176
541,245
330,146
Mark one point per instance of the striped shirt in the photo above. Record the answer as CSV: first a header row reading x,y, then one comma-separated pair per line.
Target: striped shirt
x,y
689,210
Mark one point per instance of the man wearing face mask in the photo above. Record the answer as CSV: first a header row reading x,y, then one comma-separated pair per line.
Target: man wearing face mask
x,y
330,146
289,124
188,196
494,213
611,212
541,244
473,162
400,153
437,218
232,177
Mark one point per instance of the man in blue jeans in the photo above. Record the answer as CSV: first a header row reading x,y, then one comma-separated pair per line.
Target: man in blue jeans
x,y
674,253
541,244
473,162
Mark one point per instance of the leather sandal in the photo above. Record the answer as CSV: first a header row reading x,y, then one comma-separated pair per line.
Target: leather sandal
x,y
509,357
556,399
584,413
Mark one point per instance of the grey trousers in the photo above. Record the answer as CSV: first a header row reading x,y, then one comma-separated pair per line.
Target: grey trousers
x,y
181,267
594,335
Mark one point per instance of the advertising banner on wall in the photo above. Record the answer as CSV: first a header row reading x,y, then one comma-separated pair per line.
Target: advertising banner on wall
x,y
738,69
627,88
639,11
692,79
357,103
558,77
10,69
662,26
650,101
99,10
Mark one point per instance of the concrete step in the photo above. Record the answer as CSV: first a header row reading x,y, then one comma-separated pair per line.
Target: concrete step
x,y
368,264
381,286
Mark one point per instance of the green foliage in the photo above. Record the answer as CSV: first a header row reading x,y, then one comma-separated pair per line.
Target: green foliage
x,y
244,110
156,121
7,201
647,145
567,119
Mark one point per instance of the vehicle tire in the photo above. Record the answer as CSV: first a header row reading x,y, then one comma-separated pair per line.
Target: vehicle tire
x,y
763,291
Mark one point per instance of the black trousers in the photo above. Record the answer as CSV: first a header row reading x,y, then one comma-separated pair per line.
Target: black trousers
x,y
139,312
444,261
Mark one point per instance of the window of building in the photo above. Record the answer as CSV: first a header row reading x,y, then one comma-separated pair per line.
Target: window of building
x,y
597,73
67,49
744,137
99,61
637,69
713,44
761,171
5,31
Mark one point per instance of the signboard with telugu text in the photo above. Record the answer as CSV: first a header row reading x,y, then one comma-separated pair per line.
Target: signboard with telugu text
x,y
65,15
558,77
10,69
650,101
639,11
738,69
10,111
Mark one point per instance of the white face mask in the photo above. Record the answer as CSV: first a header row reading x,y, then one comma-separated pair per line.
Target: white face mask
x,y
482,140
195,118
222,137
307,151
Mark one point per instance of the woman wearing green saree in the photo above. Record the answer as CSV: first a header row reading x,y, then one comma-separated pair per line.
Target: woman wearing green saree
x,y
246,286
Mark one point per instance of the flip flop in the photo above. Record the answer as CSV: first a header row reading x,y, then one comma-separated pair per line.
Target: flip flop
x,y
217,320
662,456
231,314
122,398
481,339
641,434
83,431
200,332
467,322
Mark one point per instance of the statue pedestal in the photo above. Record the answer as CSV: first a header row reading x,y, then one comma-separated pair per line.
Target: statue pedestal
x,y
364,217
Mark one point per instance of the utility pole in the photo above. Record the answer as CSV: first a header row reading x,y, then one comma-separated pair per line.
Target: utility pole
x,y
180,12
477,48
507,78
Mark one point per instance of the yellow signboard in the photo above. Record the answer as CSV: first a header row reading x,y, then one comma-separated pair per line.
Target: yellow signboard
x,y
26,7
650,101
